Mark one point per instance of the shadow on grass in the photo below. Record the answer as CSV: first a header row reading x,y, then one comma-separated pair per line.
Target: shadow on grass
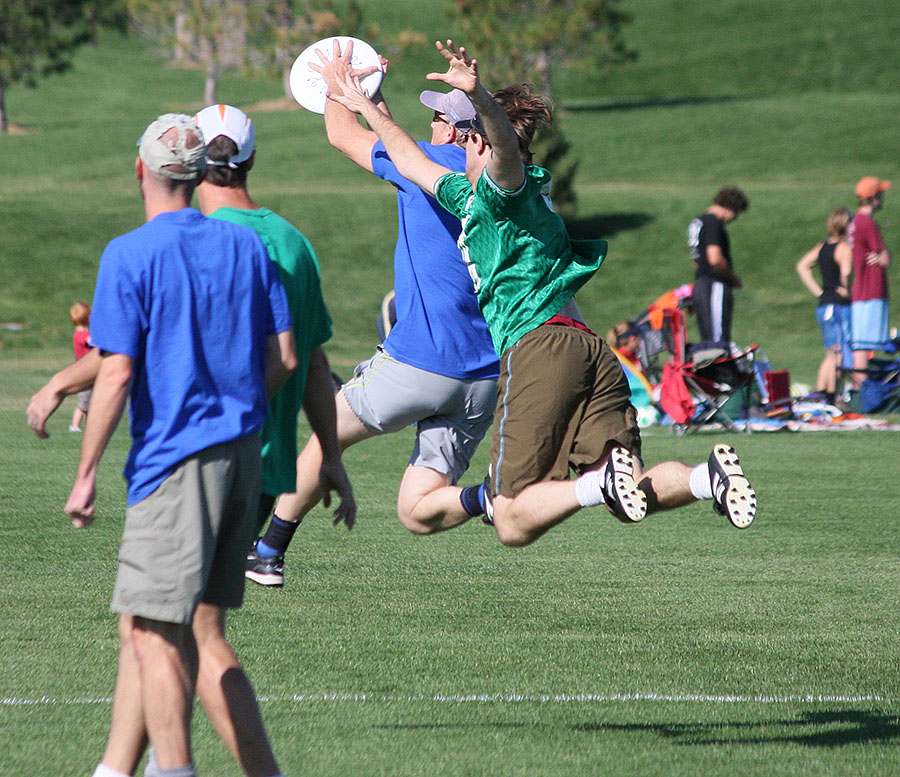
x,y
832,728
653,102
606,224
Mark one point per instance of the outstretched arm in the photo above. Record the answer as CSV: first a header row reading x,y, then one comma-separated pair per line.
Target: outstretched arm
x,y
344,131
407,157
505,162
78,376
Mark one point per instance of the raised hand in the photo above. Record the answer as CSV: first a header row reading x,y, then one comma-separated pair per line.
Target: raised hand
x,y
349,92
339,66
462,71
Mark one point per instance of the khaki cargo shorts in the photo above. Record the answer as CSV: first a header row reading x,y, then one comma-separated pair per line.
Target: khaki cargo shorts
x,y
187,542
562,401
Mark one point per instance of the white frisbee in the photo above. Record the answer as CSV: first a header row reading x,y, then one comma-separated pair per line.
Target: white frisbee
x,y
307,85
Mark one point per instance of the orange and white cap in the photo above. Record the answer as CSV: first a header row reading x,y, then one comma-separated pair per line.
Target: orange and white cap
x,y
233,123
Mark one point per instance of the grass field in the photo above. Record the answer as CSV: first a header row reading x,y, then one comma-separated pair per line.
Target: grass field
x,y
678,647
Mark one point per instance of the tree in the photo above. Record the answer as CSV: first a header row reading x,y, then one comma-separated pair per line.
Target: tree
x,y
260,35
38,37
211,33
526,40
284,28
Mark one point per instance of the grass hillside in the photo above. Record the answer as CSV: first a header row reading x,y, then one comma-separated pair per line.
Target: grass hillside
x,y
678,647
792,102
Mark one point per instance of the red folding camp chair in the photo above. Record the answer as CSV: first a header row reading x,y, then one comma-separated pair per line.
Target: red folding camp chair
x,y
696,388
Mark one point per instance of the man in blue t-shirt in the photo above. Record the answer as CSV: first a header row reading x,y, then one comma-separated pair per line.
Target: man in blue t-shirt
x,y
192,324
437,368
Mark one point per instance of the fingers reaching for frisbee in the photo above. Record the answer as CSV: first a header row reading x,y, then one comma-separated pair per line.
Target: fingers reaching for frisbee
x,y
462,72
349,92
340,63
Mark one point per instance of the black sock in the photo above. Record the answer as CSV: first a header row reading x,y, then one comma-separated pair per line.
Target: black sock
x,y
472,499
277,537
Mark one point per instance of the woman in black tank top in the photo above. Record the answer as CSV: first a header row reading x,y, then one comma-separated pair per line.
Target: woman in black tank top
x,y
835,262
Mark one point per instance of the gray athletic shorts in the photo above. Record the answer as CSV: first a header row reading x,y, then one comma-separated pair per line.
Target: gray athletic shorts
x,y
84,400
187,541
452,415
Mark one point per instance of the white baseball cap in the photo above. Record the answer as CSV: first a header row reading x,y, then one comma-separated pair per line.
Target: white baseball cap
x,y
178,159
233,123
456,105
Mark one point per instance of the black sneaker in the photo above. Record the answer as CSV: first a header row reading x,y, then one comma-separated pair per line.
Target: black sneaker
x,y
488,516
265,571
621,494
733,496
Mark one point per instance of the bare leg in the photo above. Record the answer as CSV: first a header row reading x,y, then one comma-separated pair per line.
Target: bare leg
x,y
166,658
427,503
825,375
860,362
535,510
350,430
77,417
228,697
541,506
127,734
667,485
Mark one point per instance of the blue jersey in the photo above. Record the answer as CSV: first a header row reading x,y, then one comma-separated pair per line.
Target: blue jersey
x,y
439,327
191,300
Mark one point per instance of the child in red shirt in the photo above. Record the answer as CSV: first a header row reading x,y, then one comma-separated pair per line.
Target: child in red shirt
x,y
80,315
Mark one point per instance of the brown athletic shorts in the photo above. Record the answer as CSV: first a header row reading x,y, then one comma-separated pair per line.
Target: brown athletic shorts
x,y
187,542
562,398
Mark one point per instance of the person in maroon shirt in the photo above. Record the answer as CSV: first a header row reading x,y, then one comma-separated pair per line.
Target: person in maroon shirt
x,y
869,296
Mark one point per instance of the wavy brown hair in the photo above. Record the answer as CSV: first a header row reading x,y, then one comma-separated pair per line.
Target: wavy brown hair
x,y
527,111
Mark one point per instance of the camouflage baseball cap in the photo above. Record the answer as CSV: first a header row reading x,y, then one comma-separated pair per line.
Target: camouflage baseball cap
x,y
181,156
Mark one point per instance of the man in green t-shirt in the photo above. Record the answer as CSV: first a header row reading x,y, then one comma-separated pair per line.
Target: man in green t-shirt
x,y
223,194
563,401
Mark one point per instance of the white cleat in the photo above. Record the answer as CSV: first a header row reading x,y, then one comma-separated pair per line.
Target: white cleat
x,y
621,494
733,496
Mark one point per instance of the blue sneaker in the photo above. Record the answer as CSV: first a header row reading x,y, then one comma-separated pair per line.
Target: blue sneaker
x,y
265,571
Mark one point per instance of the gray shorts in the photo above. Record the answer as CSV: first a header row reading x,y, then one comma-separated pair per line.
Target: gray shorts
x,y
187,542
84,399
452,415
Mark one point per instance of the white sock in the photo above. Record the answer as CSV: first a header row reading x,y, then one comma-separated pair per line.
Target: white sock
x,y
701,483
105,771
588,488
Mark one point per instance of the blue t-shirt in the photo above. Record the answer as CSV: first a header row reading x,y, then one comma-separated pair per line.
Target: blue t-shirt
x,y
439,327
191,300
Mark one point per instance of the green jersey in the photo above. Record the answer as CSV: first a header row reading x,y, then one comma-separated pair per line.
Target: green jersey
x,y
299,271
521,260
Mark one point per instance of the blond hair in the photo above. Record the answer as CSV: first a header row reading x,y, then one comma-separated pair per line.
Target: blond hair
x,y
80,314
837,223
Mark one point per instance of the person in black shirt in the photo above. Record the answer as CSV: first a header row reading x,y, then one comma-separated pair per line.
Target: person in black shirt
x,y
713,296
834,259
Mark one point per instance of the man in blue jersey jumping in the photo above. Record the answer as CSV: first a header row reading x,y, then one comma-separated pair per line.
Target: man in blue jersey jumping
x,y
437,368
